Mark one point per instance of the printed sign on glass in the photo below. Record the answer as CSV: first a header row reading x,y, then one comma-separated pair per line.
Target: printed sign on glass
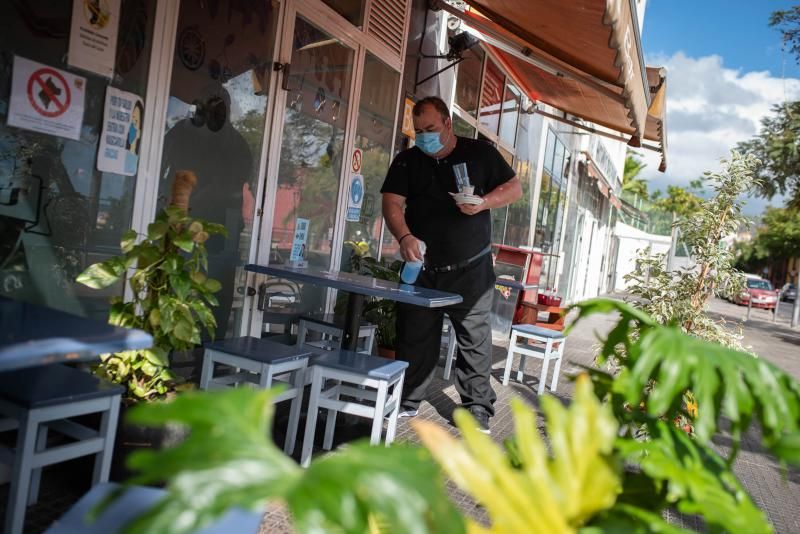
x,y
300,238
355,198
93,36
122,133
46,100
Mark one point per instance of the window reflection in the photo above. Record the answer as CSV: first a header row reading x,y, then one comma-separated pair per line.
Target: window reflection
x,y
508,119
215,126
58,213
311,156
493,86
468,80
376,115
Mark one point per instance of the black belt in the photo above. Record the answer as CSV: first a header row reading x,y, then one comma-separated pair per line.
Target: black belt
x,y
459,265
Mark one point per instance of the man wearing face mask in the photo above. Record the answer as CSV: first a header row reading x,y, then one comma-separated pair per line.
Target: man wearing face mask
x,y
418,206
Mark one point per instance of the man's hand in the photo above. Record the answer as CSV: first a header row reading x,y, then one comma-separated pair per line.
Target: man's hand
x,y
472,209
409,249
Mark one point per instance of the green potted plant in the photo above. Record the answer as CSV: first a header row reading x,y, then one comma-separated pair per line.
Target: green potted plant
x,y
172,299
172,294
380,312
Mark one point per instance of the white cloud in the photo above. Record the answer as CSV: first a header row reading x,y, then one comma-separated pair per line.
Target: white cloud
x,y
709,109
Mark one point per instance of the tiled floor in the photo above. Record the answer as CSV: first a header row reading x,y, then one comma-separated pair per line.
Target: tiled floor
x,y
776,492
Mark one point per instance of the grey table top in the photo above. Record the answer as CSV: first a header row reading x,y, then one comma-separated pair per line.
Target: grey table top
x,y
365,285
32,335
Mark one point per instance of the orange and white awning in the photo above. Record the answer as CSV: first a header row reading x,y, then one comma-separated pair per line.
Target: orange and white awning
x,y
580,56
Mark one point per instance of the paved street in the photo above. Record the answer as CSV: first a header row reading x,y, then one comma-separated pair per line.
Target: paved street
x,y
775,492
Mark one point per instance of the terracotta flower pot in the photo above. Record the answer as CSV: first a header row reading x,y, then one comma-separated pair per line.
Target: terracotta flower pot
x,y
387,353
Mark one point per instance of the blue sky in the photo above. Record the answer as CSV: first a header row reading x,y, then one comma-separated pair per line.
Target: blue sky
x,y
736,30
725,71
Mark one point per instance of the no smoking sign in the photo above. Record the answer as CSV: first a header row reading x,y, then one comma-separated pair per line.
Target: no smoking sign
x,y
45,99
48,92
357,160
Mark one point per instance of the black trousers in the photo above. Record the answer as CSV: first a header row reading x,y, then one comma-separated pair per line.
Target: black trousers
x,y
419,333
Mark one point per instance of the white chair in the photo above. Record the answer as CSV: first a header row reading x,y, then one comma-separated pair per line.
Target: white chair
x,y
449,344
549,345
372,385
330,330
258,362
38,400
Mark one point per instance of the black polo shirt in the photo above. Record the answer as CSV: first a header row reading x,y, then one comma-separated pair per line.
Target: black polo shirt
x,y
431,213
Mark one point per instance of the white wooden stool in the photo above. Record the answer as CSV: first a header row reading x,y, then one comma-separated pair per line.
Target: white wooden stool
x,y
349,372
38,400
549,346
258,362
331,329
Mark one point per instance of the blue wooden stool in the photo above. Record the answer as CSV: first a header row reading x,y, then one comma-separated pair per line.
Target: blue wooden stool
x,y
38,399
134,502
259,362
549,345
373,386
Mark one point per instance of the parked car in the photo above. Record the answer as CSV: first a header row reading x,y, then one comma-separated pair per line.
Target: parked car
x,y
789,293
760,291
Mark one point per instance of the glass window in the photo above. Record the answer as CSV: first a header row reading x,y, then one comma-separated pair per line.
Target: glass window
x,y
215,127
508,119
58,213
352,10
374,137
312,148
500,215
462,128
518,225
491,98
549,151
468,80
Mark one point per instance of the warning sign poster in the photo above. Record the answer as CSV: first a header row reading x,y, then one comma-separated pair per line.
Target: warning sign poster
x,y
46,100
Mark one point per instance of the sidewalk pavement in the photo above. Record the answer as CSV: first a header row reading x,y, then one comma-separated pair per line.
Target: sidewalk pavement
x,y
773,490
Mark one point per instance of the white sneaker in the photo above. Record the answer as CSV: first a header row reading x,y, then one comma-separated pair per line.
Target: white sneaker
x,y
408,413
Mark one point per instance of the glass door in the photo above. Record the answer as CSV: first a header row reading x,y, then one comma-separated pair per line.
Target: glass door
x,y
317,85
215,127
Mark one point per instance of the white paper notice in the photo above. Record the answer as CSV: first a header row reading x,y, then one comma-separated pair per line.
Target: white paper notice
x,y
122,133
93,35
298,253
47,100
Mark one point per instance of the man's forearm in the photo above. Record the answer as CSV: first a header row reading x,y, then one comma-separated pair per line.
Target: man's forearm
x,y
395,217
504,194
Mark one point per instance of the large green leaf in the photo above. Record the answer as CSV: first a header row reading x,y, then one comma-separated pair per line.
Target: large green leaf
x,y
662,363
400,485
128,241
102,275
696,479
228,459
725,382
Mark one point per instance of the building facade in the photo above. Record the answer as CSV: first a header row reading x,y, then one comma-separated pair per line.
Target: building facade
x,y
277,107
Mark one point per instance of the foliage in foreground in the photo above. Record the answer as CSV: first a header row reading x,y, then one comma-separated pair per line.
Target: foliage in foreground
x,y
588,474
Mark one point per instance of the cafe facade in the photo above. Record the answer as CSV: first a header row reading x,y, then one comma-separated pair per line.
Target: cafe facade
x,y
289,114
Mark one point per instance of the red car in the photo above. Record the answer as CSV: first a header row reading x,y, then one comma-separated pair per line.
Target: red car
x,y
760,291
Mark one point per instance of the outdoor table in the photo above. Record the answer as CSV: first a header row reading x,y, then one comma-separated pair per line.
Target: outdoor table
x,y
359,286
32,335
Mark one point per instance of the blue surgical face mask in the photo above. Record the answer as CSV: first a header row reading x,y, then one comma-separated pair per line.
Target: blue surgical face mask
x,y
429,142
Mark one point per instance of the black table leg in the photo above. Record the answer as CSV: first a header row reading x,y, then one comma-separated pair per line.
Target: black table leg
x,y
352,321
